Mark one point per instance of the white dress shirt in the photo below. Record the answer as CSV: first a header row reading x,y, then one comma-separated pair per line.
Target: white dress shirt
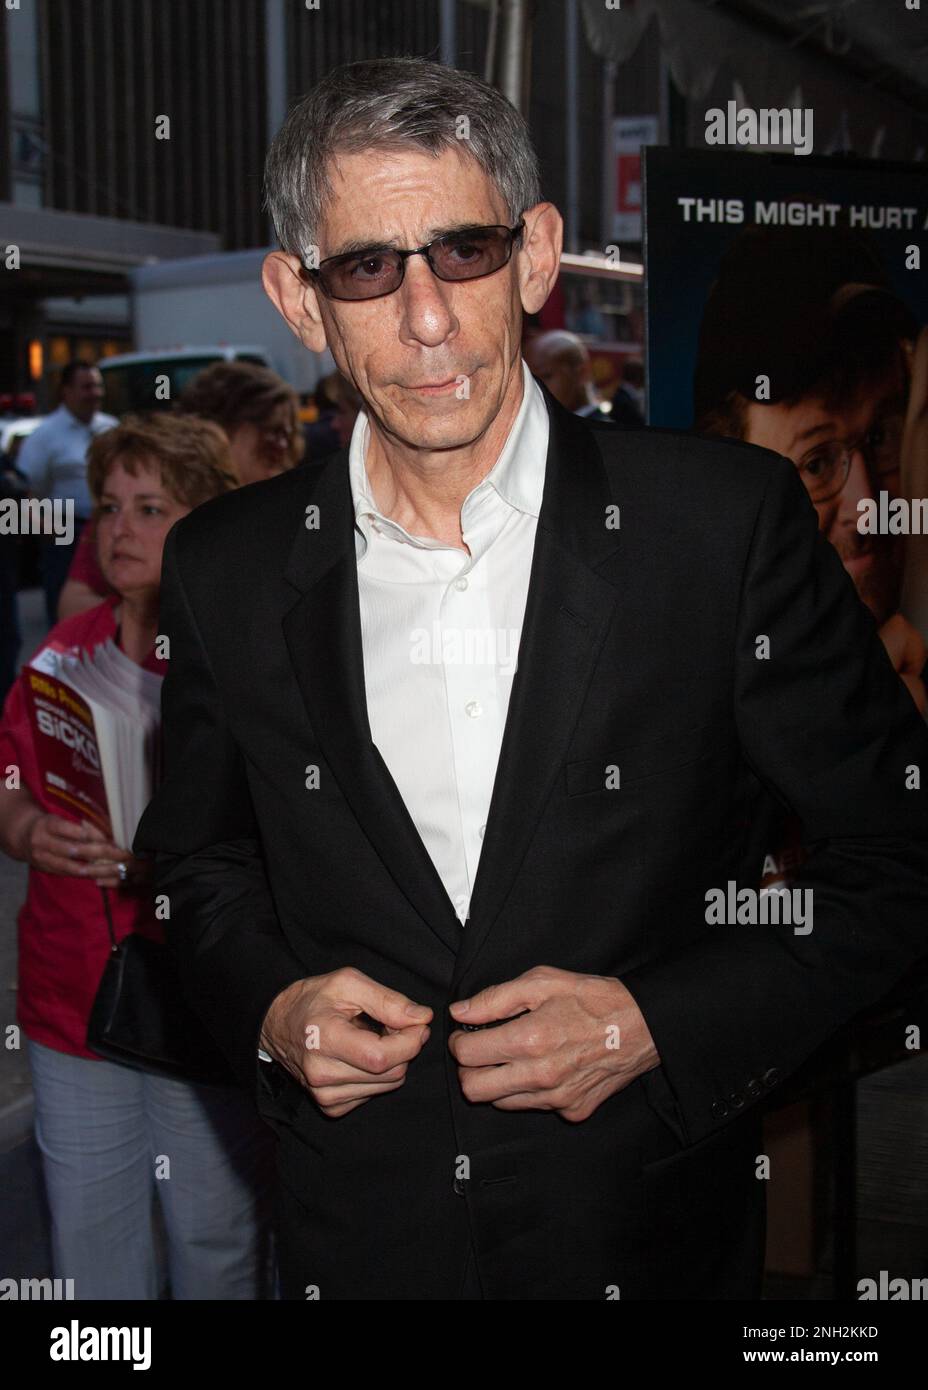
x,y
440,631
54,457
440,634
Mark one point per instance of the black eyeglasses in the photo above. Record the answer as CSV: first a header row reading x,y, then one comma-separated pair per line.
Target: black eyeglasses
x,y
468,254
825,470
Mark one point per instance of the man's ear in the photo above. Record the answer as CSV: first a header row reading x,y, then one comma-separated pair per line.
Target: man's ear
x,y
540,255
293,298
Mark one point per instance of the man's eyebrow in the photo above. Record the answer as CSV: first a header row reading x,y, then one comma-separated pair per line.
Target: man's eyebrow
x,y
352,248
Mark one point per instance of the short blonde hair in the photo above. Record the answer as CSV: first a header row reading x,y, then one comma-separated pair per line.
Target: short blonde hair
x,y
192,455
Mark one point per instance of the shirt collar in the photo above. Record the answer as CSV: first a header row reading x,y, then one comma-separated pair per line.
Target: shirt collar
x,y
517,477
68,417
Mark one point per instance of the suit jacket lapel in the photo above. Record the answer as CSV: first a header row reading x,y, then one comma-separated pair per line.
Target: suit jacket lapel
x,y
323,635
568,611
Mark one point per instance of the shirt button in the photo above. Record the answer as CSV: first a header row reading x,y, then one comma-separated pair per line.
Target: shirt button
x,y
473,709
460,583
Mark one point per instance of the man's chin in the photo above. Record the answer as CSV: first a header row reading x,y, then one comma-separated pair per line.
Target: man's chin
x,y
453,427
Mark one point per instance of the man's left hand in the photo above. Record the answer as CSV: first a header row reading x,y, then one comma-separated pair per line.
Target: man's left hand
x,y
582,1040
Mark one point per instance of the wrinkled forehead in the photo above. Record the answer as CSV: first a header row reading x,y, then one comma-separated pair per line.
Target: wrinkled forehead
x,y
404,197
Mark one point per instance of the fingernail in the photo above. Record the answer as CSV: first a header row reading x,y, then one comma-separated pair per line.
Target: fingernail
x,y
416,1011
460,1006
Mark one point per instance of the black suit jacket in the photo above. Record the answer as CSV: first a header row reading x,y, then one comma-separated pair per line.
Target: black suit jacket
x,y
626,411
639,649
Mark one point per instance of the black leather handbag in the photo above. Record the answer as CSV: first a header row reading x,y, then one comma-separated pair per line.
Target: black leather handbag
x,y
141,1018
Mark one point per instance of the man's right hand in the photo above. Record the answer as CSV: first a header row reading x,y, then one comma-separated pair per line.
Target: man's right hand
x,y
311,1030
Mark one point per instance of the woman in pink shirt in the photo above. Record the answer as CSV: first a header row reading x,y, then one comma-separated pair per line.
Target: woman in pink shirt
x,y
111,1135
259,414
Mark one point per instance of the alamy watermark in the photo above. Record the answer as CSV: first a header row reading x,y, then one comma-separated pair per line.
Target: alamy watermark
x,y
36,1290
886,515
38,516
893,1290
441,645
775,906
789,126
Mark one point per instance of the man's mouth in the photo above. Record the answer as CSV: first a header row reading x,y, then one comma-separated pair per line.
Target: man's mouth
x,y
430,388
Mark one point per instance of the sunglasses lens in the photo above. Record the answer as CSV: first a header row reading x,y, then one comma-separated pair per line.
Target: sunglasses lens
x,y
363,277
466,257
460,256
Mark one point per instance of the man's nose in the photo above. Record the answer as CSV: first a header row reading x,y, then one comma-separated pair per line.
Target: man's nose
x,y
427,314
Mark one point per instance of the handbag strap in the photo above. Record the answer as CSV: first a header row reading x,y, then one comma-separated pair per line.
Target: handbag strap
x,y
109,919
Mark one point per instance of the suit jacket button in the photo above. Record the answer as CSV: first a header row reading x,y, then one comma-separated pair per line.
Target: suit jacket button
x,y
753,1088
735,1101
458,1186
771,1077
719,1109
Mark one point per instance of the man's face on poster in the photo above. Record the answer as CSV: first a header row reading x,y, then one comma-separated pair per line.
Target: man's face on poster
x,y
846,453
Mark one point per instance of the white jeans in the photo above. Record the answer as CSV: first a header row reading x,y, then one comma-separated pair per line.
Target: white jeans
x,y
110,1138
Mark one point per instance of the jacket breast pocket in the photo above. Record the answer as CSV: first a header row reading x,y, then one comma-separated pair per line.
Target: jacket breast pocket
x,y
628,763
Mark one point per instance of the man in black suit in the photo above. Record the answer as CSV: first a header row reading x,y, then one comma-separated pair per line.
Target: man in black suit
x,y
345,743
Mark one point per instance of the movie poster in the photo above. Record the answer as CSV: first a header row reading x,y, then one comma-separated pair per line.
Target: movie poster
x,y
784,306
788,229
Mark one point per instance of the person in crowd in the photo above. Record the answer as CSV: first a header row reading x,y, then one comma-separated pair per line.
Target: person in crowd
x,y
339,405
562,361
54,459
508,1053
86,583
348,405
258,412
99,1125
321,435
13,485
803,349
257,409
628,401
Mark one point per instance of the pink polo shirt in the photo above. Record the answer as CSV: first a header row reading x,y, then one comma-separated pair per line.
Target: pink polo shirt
x,y
63,936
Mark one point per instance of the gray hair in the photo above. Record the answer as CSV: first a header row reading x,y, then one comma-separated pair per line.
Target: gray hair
x,y
391,104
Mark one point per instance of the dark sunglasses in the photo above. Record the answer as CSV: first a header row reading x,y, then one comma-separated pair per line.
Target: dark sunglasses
x,y
369,274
